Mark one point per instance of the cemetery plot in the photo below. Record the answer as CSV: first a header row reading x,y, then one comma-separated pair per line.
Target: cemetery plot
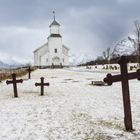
x,y
68,111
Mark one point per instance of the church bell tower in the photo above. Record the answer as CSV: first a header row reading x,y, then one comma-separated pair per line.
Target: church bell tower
x,y
54,27
55,43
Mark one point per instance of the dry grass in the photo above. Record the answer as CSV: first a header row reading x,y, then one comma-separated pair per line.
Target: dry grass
x,y
6,73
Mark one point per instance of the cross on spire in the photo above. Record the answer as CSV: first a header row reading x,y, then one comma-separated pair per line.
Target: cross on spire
x,y
54,15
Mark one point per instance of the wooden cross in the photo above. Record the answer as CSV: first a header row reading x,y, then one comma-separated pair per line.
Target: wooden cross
x,y
124,77
29,72
42,84
14,82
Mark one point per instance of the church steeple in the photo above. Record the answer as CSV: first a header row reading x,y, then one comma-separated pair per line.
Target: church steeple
x,y
54,21
54,27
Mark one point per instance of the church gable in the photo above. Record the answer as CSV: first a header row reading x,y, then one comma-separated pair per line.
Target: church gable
x,y
43,49
65,50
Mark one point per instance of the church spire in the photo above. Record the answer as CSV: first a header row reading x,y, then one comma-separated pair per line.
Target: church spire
x,y
54,21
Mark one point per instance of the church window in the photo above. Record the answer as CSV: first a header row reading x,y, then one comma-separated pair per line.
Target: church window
x,y
63,60
55,50
46,60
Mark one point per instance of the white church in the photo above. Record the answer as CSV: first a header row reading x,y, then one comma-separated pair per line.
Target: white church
x,y
53,53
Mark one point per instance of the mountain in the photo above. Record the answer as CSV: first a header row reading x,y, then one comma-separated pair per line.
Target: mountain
x,y
126,46
76,59
7,60
3,65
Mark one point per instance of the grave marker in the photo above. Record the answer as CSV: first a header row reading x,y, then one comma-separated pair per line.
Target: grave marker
x,y
123,78
14,82
98,83
29,72
42,84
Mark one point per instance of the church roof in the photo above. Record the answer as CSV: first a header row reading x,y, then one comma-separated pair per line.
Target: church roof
x,y
40,47
54,23
66,47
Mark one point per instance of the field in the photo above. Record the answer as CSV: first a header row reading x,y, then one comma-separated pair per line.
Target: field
x,y
71,109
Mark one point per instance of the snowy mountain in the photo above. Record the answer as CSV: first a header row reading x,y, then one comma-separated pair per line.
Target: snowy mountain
x,y
76,59
7,60
3,65
126,46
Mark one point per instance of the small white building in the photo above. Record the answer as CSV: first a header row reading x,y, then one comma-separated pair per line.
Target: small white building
x,y
54,52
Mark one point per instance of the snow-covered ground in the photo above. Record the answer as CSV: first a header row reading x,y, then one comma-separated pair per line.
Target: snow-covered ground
x,y
71,108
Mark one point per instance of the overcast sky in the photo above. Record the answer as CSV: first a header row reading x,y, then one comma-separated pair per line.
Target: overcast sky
x,y
87,26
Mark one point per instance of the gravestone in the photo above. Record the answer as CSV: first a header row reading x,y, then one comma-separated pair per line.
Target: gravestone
x,y
98,83
29,72
123,78
115,67
42,84
14,82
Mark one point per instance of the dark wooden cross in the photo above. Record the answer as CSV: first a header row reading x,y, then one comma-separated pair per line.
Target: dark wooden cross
x,y
42,84
124,77
29,72
14,82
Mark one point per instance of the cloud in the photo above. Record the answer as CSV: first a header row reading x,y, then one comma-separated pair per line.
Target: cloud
x,y
19,41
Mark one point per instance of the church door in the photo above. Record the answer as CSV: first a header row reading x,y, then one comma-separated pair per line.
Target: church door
x,y
56,60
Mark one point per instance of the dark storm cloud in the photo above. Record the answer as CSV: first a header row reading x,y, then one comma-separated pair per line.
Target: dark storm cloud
x,y
87,26
24,12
